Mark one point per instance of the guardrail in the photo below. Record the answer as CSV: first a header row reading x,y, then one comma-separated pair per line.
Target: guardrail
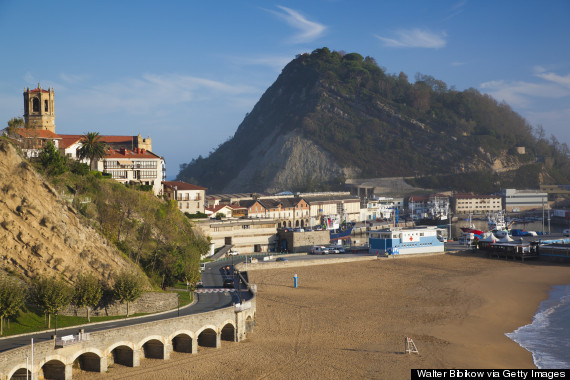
x,y
71,339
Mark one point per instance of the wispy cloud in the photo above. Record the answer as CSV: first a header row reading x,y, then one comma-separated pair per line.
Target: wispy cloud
x,y
308,30
563,81
456,9
151,92
415,38
521,93
275,62
72,78
457,64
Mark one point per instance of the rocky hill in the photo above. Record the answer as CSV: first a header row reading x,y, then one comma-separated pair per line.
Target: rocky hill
x,y
41,235
330,116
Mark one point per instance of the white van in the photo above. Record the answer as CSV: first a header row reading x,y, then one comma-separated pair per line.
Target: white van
x,y
202,267
319,250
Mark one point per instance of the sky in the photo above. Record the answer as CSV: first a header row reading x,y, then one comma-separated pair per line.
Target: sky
x,y
186,73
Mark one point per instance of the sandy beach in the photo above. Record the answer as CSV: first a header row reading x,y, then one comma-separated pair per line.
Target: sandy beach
x,y
349,320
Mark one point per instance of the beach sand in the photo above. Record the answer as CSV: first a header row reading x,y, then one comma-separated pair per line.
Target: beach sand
x,y
350,320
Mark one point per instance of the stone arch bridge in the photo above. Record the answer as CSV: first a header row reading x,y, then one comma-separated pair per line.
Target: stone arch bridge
x,y
95,351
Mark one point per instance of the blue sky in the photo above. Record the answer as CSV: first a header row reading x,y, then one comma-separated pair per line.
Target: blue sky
x,y
187,72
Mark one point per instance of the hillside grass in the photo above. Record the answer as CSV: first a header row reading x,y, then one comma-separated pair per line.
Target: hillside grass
x,y
30,319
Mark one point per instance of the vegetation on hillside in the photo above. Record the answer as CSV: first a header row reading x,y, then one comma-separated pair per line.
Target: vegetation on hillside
x,y
382,124
151,232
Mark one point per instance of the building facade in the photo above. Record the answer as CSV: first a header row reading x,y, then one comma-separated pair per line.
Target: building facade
x,y
466,203
138,166
190,198
523,200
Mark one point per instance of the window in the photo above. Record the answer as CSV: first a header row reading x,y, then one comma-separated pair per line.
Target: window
x,y
35,105
45,105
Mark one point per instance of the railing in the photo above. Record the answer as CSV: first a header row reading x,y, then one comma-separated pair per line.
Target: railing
x,y
71,339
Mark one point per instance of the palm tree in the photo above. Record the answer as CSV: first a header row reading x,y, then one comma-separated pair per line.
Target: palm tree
x,y
91,148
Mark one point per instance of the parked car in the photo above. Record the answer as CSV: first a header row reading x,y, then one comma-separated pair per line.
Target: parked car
x,y
202,267
281,259
566,232
319,250
233,253
229,283
200,284
337,248
333,249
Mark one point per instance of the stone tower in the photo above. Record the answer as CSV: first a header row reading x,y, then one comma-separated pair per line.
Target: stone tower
x,y
38,109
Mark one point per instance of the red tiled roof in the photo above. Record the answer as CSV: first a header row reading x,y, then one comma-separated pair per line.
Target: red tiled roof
x,y
41,133
68,140
38,90
128,153
116,139
182,185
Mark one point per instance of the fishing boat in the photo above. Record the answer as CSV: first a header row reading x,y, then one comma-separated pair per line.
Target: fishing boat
x,y
496,221
338,230
470,229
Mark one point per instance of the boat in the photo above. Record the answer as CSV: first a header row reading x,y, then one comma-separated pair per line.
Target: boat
x,y
496,221
337,230
341,233
437,213
470,229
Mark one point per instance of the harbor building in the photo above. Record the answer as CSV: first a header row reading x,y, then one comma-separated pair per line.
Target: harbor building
x,y
465,203
523,200
400,241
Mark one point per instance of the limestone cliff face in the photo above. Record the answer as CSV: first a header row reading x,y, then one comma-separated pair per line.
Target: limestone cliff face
x,y
40,234
287,161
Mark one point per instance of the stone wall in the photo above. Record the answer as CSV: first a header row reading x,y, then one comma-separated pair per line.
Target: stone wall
x,y
151,302
303,241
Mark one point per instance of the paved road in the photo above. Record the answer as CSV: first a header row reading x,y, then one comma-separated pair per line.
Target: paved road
x,y
212,277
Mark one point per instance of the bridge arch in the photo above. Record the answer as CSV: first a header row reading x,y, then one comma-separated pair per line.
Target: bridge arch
x,y
208,336
153,346
227,330
53,367
88,360
121,353
20,372
182,341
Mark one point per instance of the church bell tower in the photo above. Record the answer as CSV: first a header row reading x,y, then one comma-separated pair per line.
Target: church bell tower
x,y
38,109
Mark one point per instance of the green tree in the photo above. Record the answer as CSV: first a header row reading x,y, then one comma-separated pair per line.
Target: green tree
x,y
12,298
51,295
88,292
91,148
52,160
13,124
128,287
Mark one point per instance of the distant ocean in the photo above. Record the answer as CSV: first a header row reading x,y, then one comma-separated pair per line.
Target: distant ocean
x,y
548,336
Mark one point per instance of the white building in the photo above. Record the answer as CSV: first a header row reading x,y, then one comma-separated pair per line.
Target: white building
x,y
138,166
378,208
521,200
477,204
190,198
